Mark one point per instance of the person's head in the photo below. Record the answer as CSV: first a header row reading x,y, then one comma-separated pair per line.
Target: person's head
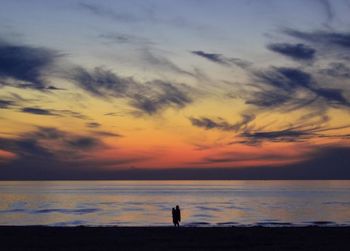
x,y
177,207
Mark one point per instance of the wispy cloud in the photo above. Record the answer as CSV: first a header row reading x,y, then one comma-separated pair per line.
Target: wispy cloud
x,y
149,98
160,62
25,66
294,51
162,96
221,124
124,38
102,11
279,83
301,132
106,134
38,111
328,9
241,157
53,112
93,124
48,152
336,70
48,142
220,59
4,104
330,39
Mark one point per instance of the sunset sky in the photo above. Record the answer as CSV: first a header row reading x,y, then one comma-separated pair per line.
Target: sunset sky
x,y
174,89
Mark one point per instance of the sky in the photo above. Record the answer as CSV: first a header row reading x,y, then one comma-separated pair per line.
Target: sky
x,y
186,89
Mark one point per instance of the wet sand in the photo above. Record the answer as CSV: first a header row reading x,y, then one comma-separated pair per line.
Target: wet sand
x,y
169,238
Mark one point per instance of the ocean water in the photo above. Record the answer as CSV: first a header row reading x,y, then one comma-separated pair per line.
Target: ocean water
x,y
149,203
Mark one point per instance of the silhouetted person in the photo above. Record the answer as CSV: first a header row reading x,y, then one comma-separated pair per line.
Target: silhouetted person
x,y
173,212
177,213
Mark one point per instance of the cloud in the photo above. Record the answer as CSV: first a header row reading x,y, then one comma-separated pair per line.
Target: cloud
x,y
53,112
50,153
48,142
51,87
332,95
280,82
221,124
159,62
296,133
101,82
330,39
285,78
107,134
217,58
276,99
25,66
220,59
310,125
114,114
163,95
49,133
83,142
123,38
286,135
93,124
148,98
101,11
25,148
38,111
329,11
294,51
5,104
336,70
232,157
74,114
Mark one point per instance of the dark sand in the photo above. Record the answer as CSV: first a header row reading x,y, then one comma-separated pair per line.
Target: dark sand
x,y
168,238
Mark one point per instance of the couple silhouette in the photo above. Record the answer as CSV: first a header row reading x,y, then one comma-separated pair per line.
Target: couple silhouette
x,y
176,213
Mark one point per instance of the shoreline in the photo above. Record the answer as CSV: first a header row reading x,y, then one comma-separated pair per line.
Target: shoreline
x,y
203,224
171,238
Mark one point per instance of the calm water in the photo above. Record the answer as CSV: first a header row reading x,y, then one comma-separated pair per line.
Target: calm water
x,y
203,203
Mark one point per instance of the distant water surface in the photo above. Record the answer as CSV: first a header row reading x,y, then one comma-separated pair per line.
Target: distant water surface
x,y
203,203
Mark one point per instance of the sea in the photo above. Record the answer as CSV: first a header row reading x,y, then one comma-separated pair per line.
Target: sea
x,y
149,203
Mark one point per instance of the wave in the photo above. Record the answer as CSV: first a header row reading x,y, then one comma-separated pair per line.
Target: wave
x,y
14,210
66,211
341,203
208,208
202,216
197,223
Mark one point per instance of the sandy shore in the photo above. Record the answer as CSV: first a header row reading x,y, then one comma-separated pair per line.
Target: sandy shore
x,y
168,238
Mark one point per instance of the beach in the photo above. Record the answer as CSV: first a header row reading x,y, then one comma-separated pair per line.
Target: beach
x,y
170,238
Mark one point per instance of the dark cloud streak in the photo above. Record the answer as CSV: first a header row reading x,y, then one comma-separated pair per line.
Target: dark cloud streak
x,y
102,11
294,51
327,38
25,65
5,104
38,111
220,59
148,98
279,83
221,124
